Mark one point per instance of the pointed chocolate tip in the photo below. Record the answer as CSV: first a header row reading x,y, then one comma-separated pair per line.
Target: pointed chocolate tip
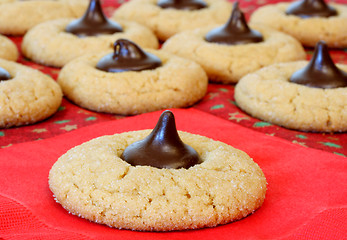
x,y
321,56
237,20
321,46
124,48
128,56
236,7
311,8
189,5
166,127
93,22
166,118
162,148
4,75
321,71
235,31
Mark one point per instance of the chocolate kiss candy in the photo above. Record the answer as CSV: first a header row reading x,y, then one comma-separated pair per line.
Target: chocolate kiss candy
x,y
235,31
4,75
163,148
128,56
93,22
182,4
321,71
311,8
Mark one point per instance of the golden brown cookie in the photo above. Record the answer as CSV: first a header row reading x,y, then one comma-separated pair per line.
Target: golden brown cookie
x,y
177,83
307,30
167,22
93,182
49,44
8,49
267,94
28,97
228,63
17,16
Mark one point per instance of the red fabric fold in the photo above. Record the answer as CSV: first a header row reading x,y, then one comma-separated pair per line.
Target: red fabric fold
x,y
306,187
17,222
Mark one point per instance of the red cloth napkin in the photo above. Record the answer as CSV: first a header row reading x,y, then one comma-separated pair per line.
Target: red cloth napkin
x,y
306,195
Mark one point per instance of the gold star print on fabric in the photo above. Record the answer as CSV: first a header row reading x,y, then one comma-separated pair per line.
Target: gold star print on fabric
x,y
39,130
238,116
69,127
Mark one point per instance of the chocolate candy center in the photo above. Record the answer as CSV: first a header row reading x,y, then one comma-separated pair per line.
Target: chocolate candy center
x,y
235,31
182,4
93,22
321,71
4,75
311,8
163,148
128,56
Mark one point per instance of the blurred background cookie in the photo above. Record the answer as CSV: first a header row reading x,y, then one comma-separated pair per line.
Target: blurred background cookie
x,y
8,50
167,18
26,95
230,51
57,42
132,81
17,16
307,96
309,21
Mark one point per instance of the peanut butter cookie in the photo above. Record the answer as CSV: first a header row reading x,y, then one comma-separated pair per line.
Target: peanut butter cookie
x,y
165,22
228,63
8,49
308,96
26,95
307,30
177,82
94,182
49,44
269,95
17,16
